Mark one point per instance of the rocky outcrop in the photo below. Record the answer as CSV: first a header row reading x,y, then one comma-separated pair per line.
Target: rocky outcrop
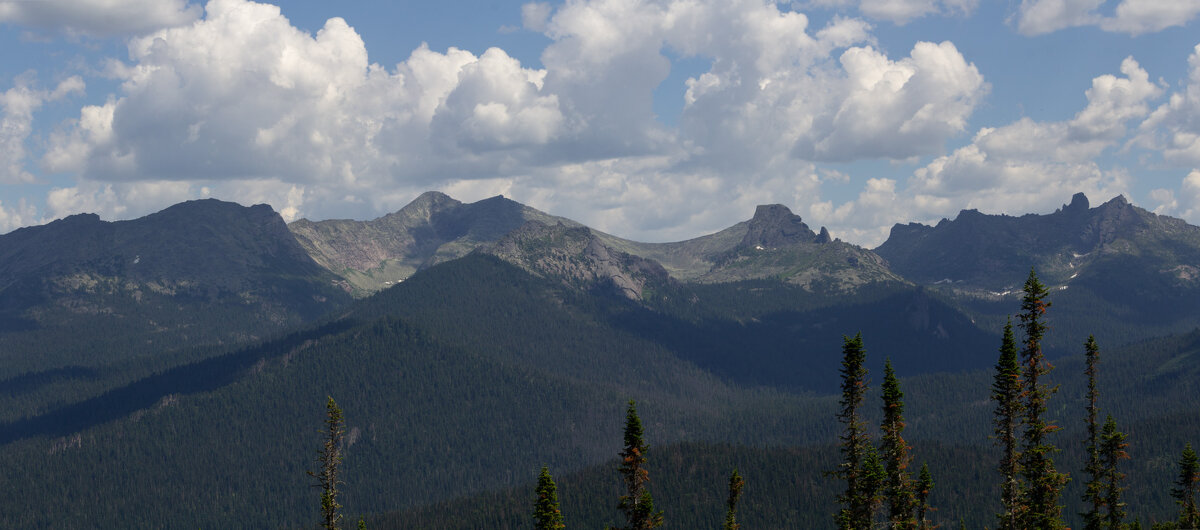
x,y
775,226
578,258
374,254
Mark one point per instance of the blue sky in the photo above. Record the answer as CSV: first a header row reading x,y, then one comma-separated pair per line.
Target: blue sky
x,y
654,120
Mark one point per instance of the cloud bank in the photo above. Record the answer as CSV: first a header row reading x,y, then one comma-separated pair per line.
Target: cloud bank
x,y
1135,17
98,18
241,98
242,105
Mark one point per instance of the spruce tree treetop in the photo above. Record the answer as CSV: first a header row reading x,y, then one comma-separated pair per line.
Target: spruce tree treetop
x,y
1185,488
924,487
1112,451
546,512
857,500
637,502
1006,392
1033,306
633,431
1043,483
330,459
898,487
1093,493
736,483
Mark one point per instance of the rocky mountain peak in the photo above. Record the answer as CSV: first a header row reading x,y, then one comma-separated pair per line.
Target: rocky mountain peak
x,y
1079,202
824,236
774,226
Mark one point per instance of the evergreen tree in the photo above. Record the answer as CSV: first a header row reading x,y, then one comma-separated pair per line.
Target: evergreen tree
x,y
1185,489
1006,392
898,487
874,478
1112,451
1093,493
856,505
1043,483
546,513
924,486
637,503
736,483
330,459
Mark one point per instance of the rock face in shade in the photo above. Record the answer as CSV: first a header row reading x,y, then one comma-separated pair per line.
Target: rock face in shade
x,y
204,255
775,226
996,251
205,246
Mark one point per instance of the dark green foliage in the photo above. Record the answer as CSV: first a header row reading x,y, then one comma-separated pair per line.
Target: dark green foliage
x,y
546,513
443,374
787,491
736,484
857,499
874,479
637,503
1006,392
1043,483
482,353
923,488
100,304
330,459
1112,451
1093,492
1185,488
898,487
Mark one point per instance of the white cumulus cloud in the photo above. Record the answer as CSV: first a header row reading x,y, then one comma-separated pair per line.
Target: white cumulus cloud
x,y
98,17
1185,203
1174,127
1020,167
244,103
1135,17
17,107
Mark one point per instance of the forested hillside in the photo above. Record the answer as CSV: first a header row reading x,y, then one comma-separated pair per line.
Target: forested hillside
x,y
1125,274
474,373
459,383
87,306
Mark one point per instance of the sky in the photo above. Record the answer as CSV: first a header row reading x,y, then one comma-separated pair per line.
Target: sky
x,y
654,120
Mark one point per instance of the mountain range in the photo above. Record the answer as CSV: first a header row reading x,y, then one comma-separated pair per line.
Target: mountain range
x,y
183,358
